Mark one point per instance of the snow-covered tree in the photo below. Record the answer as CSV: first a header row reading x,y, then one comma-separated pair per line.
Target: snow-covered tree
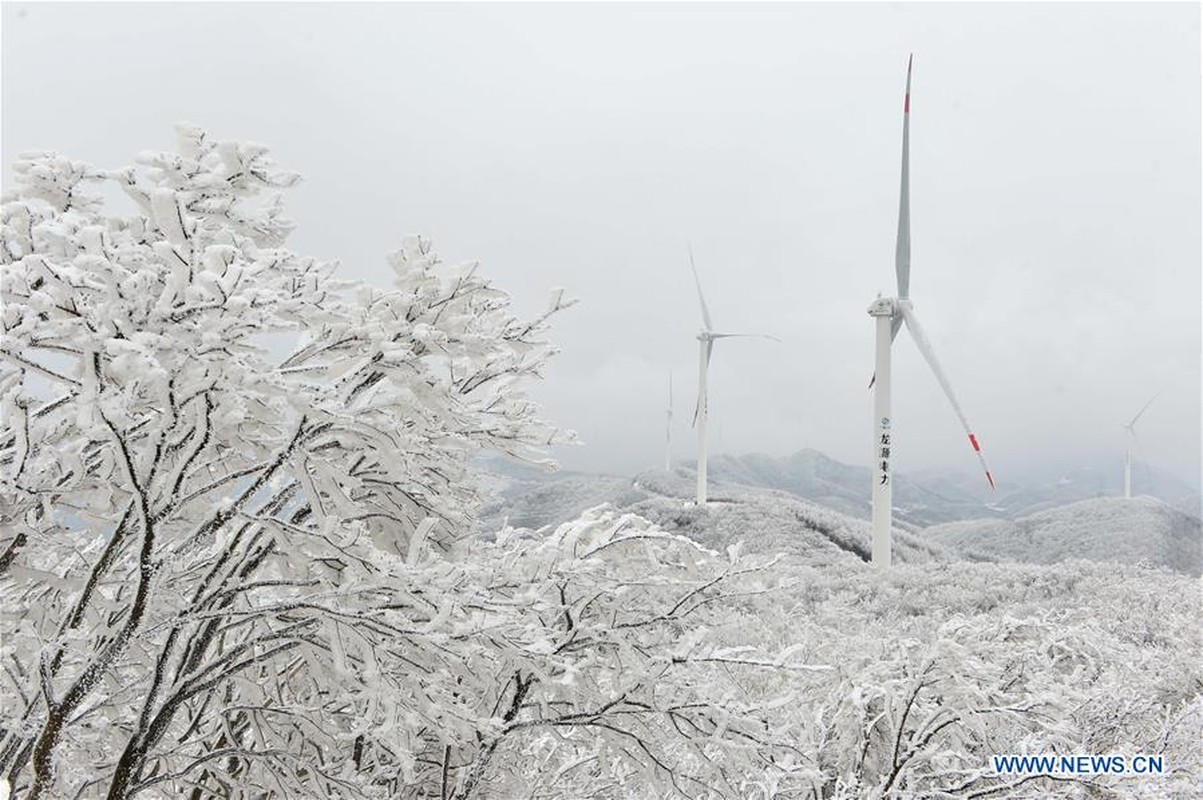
x,y
598,666
215,456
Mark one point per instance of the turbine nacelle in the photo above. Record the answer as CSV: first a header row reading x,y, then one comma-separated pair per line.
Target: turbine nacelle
x,y
883,307
891,307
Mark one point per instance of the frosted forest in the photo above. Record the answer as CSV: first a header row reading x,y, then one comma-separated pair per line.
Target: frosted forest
x,y
244,554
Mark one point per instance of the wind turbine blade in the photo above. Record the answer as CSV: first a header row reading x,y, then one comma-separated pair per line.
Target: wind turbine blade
x,y
709,350
697,407
670,392
744,336
921,341
902,251
1143,410
895,326
697,282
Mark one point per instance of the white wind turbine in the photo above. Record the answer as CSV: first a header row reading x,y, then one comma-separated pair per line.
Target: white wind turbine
x,y
1130,427
668,428
891,313
706,339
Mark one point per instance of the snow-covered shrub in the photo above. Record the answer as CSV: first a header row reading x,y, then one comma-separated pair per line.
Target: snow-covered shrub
x,y
938,667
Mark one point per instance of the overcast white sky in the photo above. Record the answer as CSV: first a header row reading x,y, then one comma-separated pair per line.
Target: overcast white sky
x,y
1055,195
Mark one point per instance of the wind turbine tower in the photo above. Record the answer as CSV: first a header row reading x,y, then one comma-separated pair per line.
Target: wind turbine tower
x,y
891,313
668,428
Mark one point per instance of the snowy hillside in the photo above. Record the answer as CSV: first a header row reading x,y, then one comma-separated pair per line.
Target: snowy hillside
x,y
1106,529
811,505
768,522
765,521
529,497
537,499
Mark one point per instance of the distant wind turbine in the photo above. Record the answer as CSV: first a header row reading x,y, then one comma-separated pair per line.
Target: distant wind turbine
x,y
1130,427
706,339
891,313
668,428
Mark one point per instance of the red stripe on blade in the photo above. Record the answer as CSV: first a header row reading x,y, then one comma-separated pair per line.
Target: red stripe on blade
x,y
990,478
973,441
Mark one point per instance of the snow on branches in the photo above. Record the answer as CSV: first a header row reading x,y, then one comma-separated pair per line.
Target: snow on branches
x,y
186,507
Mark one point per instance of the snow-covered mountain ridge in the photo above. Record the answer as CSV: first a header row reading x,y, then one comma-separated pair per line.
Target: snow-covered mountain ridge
x,y
921,499
765,520
930,497
1140,529
770,519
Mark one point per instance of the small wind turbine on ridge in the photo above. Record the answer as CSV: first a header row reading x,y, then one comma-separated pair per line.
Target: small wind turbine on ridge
x,y
1130,427
706,338
668,428
891,314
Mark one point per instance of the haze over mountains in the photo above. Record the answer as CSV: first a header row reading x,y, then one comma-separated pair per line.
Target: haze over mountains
x,y
810,505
